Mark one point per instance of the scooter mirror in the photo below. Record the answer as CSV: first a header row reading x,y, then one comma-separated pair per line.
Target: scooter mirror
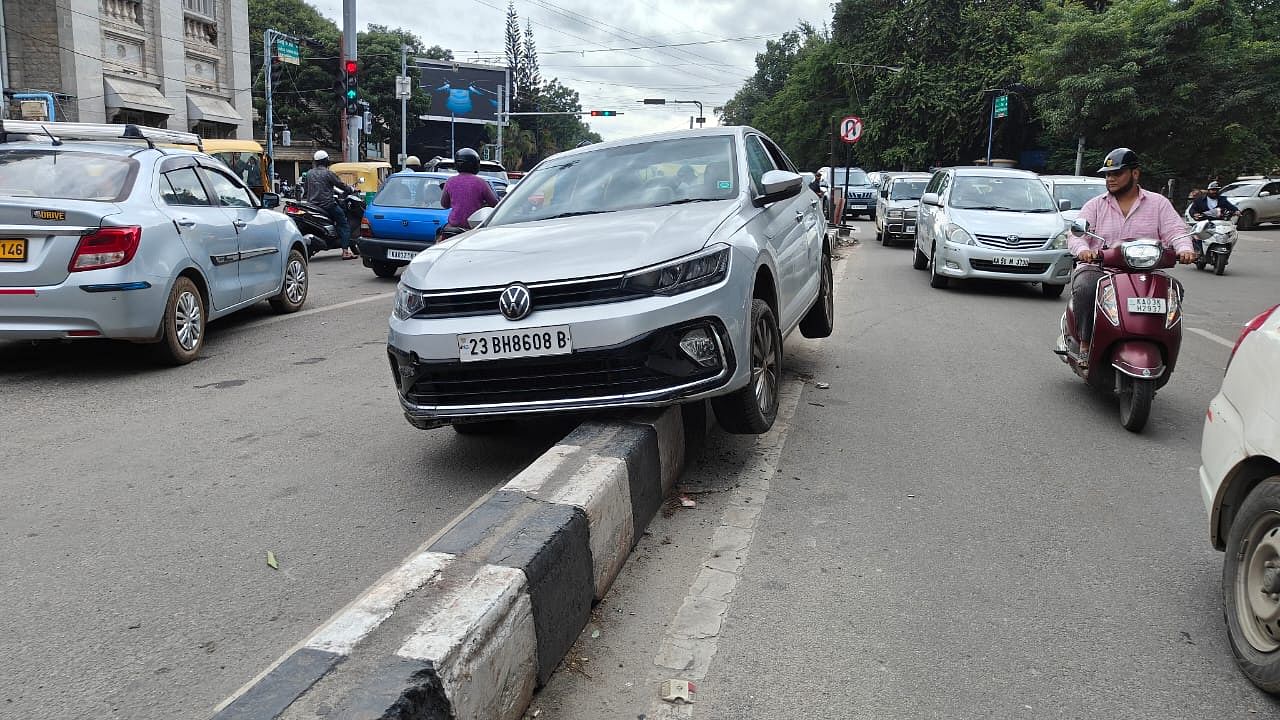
x,y
1202,231
1079,227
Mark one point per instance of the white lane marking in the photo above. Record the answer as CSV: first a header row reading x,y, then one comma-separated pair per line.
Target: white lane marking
x,y
1216,338
693,636
313,311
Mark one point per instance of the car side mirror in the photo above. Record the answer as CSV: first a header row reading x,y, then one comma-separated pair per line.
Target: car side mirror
x,y
270,200
1064,205
1079,227
478,217
1265,193
931,199
778,185
1202,230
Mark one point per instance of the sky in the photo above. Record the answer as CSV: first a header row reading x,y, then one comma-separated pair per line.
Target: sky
x,y
578,43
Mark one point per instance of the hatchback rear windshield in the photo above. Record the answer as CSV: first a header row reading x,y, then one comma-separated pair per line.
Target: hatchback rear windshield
x,y
908,189
406,191
1009,194
64,175
1078,193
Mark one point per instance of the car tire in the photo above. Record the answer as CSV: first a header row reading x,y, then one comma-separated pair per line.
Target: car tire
x,y
383,269
293,290
935,280
482,427
183,326
1252,542
1052,291
919,261
751,409
820,320
1248,220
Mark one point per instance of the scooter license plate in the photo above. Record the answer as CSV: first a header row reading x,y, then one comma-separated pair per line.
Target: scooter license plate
x,y
1152,306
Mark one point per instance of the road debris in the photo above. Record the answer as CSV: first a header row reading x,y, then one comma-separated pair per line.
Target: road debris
x,y
676,691
595,634
822,385
271,560
686,501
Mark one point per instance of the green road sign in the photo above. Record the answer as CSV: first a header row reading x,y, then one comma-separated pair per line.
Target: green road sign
x,y
288,52
1002,106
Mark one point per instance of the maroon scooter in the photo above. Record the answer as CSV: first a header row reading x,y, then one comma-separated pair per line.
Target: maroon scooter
x,y
1137,324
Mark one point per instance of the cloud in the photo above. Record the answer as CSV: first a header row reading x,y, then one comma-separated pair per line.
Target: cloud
x,y
571,35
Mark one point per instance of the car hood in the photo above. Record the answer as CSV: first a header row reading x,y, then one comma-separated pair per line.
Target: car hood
x,y
567,248
996,222
903,204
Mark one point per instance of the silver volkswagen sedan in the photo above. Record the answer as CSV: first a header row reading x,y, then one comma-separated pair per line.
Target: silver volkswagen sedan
x,y
104,234
642,272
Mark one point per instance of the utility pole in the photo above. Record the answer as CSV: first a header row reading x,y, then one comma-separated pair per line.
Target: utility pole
x,y
403,89
268,54
502,99
351,130
1079,154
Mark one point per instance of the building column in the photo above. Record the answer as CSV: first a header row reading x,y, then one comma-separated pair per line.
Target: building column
x,y
79,30
239,79
171,59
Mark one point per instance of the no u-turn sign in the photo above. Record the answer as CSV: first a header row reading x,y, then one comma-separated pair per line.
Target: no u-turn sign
x,y
851,129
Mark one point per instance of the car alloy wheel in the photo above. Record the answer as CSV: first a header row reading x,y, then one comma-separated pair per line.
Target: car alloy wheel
x,y
764,364
295,280
187,320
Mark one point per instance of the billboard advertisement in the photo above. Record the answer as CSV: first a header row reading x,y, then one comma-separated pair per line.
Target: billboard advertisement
x,y
462,92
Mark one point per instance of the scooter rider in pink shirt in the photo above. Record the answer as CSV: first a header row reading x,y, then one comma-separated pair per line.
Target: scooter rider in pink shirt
x,y
1124,212
465,192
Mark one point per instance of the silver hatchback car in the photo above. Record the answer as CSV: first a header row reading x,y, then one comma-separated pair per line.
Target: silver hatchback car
x,y
105,234
639,272
993,224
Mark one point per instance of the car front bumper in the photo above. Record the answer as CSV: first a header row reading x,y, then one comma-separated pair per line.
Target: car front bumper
x,y
976,261
95,303
900,227
623,356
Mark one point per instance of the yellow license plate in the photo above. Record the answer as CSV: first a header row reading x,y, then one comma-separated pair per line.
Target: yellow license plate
x,y
13,250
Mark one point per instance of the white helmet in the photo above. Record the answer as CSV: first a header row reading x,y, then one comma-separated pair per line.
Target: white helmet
x,y
320,155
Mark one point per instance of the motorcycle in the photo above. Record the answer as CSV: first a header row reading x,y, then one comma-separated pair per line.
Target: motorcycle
x,y
1137,325
318,229
1223,241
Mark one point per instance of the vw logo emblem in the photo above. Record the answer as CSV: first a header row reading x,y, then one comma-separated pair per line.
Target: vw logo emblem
x,y
1013,239
515,302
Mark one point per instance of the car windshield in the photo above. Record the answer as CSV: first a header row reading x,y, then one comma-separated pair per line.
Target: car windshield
x,y
856,176
907,189
624,177
407,191
1245,190
1078,193
1010,194
65,175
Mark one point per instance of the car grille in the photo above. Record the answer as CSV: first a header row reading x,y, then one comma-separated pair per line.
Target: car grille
x,y
1011,242
648,364
543,296
910,215
859,195
988,266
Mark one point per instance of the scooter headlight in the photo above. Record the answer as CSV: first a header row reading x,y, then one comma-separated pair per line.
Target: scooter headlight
x,y
1141,256
1107,301
1174,304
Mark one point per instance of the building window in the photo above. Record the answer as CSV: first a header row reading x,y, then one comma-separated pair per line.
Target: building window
x,y
205,8
128,116
202,72
214,130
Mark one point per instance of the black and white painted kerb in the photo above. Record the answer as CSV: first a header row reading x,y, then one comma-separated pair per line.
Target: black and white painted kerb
x,y
469,626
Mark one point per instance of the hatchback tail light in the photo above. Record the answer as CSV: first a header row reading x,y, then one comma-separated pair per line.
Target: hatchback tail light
x,y
365,230
1249,327
105,248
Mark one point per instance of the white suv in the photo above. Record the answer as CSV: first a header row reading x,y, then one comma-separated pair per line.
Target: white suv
x,y
1240,482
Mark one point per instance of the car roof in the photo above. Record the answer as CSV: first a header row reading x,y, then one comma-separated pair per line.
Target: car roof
x,y
983,171
423,173
910,176
103,147
721,130
1075,178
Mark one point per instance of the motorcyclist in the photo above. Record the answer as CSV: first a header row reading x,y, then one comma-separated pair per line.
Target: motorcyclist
x,y
1210,206
1124,212
465,192
413,163
320,184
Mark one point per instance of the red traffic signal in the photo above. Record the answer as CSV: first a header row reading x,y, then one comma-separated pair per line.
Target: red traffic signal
x,y
604,113
351,67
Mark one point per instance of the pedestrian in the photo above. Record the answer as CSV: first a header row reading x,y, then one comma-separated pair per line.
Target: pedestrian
x,y
321,182
465,193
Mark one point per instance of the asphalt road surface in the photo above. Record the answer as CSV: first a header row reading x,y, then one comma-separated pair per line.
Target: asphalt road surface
x,y
956,527
138,503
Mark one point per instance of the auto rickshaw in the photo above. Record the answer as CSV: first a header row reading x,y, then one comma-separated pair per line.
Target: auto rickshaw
x,y
367,177
246,159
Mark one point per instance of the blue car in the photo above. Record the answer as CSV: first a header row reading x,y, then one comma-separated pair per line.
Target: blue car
x,y
404,219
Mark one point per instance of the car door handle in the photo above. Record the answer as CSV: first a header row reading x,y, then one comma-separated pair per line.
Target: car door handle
x,y
813,203
799,216
185,222
239,224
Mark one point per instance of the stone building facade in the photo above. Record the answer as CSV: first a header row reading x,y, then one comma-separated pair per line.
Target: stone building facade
x,y
178,64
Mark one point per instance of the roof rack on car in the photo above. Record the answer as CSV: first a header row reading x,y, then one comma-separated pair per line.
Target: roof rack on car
x,y
58,131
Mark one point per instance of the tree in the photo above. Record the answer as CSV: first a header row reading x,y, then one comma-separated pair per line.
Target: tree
x,y
306,96
514,50
379,53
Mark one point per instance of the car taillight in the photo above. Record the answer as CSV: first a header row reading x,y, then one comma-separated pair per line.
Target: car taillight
x,y
365,230
292,209
108,247
1249,327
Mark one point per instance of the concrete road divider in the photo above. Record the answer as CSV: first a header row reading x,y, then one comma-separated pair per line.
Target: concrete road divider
x,y
473,623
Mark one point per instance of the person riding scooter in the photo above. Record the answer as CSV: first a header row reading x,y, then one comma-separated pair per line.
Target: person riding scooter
x,y
1210,206
320,184
1124,212
465,193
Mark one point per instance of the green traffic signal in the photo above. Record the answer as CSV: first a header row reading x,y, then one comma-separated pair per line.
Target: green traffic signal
x,y
351,94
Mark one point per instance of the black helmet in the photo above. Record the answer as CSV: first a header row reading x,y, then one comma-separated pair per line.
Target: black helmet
x,y
1214,186
1119,159
467,160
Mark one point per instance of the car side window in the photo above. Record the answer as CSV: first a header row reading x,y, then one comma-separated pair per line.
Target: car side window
x,y
780,159
182,187
934,182
758,161
227,191
1273,188
943,184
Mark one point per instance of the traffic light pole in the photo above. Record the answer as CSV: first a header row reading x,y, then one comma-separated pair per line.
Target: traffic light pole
x,y
351,130
268,54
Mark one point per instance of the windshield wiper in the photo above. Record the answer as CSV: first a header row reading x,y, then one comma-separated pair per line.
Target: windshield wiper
x,y
575,213
682,201
1001,208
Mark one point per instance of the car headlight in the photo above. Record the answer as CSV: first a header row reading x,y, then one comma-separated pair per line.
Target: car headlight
x,y
895,213
1060,240
409,302
957,235
1140,256
706,267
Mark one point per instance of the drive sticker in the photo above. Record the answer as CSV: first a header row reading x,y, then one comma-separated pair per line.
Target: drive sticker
x,y
49,214
725,184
